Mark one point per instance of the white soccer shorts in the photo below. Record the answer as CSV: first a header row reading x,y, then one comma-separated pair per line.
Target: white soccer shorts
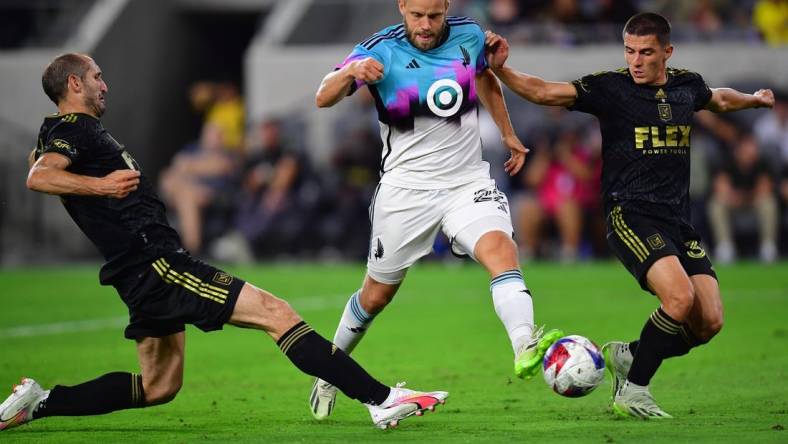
x,y
405,223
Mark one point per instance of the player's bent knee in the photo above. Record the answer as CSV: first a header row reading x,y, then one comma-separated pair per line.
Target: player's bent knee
x,y
260,309
678,303
275,310
284,310
162,393
711,328
497,252
495,243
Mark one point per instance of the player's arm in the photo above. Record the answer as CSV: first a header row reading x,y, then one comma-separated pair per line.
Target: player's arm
x,y
531,88
537,90
48,175
725,100
491,96
336,85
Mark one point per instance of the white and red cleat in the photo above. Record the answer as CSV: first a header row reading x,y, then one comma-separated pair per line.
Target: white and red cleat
x,y
403,403
18,408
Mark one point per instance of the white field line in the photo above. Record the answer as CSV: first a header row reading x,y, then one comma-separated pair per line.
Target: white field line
x,y
28,331
315,303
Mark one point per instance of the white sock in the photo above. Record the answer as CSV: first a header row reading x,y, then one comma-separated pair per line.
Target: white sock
x,y
514,306
354,323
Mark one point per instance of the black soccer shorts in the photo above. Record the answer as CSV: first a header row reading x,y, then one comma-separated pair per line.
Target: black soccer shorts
x,y
174,290
638,241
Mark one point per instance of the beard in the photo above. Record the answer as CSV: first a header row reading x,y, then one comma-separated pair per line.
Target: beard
x,y
424,46
96,105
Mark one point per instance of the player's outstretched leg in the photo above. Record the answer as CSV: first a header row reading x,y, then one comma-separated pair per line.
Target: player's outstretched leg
x,y
19,407
351,329
618,360
316,356
497,252
105,394
402,403
528,359
353,324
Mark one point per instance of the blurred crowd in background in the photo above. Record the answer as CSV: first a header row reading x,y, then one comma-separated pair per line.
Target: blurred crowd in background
x,y
242,194
255,190
561,22
571,22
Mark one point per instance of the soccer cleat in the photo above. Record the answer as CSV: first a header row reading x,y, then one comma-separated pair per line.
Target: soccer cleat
x,y
322,399
403,403
618,360
529,359
18,408
637,403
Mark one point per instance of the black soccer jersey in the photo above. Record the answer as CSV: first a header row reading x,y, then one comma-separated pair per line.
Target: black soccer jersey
x,y
645,136
128,232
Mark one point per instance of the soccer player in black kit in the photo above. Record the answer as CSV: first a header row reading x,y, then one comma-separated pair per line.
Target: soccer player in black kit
x,y
113,203
645,113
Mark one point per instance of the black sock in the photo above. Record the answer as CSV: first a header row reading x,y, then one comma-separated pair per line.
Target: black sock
x,y
660,338
107,393
316,356
679,346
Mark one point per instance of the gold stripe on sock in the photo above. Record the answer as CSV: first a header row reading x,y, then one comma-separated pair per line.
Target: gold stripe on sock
x,y
663,325
134,395
667,320
294,336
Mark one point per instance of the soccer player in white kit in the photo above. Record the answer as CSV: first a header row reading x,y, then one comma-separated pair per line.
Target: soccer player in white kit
x,y
427,76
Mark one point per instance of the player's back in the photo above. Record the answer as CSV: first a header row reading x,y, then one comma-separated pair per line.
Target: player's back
x,y
127,231
427,105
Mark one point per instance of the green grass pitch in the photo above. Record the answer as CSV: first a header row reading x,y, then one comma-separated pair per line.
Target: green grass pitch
x,y
440,333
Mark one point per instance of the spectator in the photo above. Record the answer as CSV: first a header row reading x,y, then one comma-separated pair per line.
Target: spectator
x,y
771,19
564,178
201,174
771,129
223,107
267,214
705,18
742,186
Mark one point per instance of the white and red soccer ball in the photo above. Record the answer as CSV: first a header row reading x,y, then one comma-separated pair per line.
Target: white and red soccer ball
x,y
573,366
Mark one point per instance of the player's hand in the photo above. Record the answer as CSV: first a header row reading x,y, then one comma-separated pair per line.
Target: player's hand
x,y
496,49
119,183
517,160
367,70
765,98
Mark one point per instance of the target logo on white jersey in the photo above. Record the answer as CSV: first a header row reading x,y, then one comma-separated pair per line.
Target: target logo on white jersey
x,y
444,97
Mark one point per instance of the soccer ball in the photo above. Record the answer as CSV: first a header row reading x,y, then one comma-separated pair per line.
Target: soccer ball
x,y
573,366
